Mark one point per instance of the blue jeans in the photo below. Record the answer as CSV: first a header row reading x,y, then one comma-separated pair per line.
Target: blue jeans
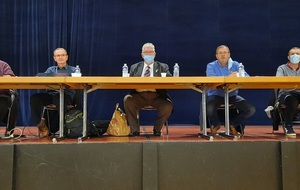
x,y
245,109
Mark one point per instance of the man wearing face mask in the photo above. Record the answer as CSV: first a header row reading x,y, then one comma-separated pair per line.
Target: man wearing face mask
x,y
290,97
225,66
140,98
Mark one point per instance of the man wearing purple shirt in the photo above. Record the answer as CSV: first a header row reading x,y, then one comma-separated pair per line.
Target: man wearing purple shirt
x,y
8,98
225,66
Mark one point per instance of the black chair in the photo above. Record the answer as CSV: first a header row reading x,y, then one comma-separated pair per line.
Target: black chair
x,y
232,112
278,112
46,117
221,113
11,116
278,116
150,108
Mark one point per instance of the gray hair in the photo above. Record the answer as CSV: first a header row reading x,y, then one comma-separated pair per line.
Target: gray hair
x,y
222,46
59,49
148,45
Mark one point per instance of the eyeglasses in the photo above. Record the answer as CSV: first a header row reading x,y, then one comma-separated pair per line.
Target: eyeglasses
x,y
223,52
60,55
148,52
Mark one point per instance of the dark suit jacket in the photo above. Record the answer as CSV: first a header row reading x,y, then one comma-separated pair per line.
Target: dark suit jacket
x,y
136,70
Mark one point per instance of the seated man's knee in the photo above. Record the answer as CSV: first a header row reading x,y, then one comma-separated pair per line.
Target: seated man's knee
x,y
127,99
252,110
168,107
210,110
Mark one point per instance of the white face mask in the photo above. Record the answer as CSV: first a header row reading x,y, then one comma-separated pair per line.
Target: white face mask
x,y
295,59
229,63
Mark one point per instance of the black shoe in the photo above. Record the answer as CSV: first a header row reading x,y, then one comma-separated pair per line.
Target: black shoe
x,y
156,133
135,133
289,131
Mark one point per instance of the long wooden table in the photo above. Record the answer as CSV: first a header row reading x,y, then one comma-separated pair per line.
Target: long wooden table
x,y
89,84
255,82
57,83
199,84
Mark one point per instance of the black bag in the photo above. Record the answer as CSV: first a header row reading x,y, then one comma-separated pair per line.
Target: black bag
x,y
99,127
74,124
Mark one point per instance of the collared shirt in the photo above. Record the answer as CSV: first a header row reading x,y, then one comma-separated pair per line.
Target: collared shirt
x,y
286,70
151,75
55,69
68,70
215,69
145,68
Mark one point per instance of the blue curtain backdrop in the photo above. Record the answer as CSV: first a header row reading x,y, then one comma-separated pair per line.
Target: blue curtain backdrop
x,y
101,35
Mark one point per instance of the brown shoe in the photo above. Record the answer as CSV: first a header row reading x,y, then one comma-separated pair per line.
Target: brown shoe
x,y
43,129
233,130
214,130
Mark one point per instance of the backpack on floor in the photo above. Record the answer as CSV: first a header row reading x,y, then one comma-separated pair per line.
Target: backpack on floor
x,y
73,127
99,127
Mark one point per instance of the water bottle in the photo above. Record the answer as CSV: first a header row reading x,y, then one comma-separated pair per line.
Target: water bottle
x,y
241,70
125,70
77,72
176,70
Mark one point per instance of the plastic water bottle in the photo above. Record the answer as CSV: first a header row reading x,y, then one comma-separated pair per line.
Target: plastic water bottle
x,y
176,70
77,70
125,70
241,70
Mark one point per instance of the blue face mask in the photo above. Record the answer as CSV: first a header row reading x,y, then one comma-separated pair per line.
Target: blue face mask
x,y
295,59
148,58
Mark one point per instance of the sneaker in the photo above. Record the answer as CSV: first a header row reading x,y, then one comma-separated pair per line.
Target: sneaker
x,y
214,130
289,131
233,130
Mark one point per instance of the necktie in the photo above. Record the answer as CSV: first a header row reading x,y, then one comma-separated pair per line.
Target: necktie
x,y
147,72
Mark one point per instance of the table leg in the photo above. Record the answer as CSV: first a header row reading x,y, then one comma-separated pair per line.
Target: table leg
x,y
84,135
226,100
61,112
204,119
61,115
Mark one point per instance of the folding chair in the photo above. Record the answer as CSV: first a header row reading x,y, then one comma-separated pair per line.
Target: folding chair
x,y
12,113
232,112
150,108
278,118
77,102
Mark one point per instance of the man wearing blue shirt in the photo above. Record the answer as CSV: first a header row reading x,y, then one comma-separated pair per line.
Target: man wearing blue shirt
x,y
225,66
37,101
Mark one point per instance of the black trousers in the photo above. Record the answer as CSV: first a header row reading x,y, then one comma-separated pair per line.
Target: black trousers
x,y
5,103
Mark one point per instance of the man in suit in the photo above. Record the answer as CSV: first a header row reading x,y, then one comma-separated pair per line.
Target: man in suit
x,y
140,98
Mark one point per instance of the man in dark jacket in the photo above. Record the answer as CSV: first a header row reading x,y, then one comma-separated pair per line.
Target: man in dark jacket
x,y
140,98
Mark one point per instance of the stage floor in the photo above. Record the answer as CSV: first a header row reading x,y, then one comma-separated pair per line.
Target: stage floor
x,y
176,134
